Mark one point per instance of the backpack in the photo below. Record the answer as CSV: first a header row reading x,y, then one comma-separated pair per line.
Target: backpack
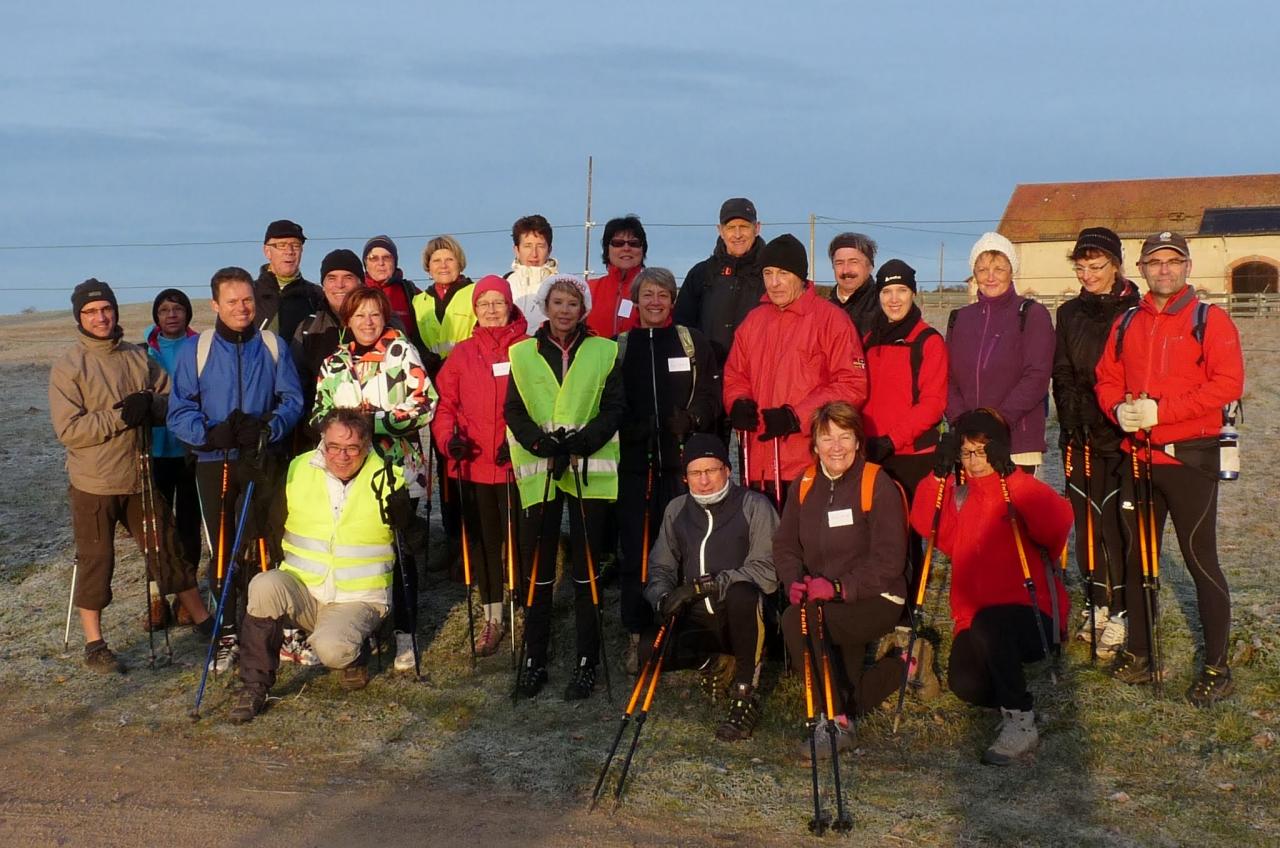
x,y
205,343
866,492
1197,327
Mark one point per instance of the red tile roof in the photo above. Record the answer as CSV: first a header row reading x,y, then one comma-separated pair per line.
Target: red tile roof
x,y
1133,208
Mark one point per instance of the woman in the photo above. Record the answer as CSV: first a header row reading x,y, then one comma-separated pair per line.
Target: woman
x,y
668,374
564,402
624,247
381,261
469,427
996,628
1002,351
907,365
379,372
1089,441
837,547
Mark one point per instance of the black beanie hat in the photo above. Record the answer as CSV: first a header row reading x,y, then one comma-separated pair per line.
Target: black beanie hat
x,y
986,422
89,291
1098,238
342,260
283,229
786,252
705,446
895,272
384,242
177,296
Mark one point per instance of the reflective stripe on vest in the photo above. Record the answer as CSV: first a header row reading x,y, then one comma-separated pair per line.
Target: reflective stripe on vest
x,y
440,337
571,405
358,551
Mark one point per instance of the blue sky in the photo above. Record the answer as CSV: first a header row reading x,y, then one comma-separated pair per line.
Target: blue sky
x,y
146,123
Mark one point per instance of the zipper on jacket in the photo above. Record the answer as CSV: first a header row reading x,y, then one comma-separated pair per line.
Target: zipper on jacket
x,y
702,553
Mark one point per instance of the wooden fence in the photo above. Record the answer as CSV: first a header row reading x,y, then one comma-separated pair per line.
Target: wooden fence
x,y
1237,305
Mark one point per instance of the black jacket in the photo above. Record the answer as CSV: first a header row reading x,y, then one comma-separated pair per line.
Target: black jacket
x,y
718,293
282,310
861,307
1083,325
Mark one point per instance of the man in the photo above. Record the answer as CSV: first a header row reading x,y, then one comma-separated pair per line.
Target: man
x,y
318,336
719,291
101,392
284,297
235,399
710,568
1170,366
339,551
791,356
853,259
531,244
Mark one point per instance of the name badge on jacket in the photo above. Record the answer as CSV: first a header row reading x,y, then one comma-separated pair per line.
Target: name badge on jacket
x,y
839,517
502,369
677,363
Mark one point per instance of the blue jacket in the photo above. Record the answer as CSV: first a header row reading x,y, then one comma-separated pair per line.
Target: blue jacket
x,y
237,374
165,352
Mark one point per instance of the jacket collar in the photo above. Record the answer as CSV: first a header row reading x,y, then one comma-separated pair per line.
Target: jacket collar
x,y
1176,304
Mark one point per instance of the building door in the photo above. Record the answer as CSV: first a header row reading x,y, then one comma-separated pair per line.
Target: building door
x,y
1254,278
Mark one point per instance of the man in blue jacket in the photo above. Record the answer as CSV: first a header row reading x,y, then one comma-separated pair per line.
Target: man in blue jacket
x,y
235,397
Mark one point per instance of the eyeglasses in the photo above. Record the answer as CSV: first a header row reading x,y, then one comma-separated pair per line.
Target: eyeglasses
x,y
711,472
1171,264
378,259
625,242
90,312
343,450
1091,269
285,246
976,453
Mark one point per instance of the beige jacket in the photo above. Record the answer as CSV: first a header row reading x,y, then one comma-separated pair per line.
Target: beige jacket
x,y
84,384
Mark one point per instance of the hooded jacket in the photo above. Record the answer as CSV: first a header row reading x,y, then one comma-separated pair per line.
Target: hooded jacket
x,y
283,309
473,391
891,410
1001,361
165,352
610,298
803,356
717,294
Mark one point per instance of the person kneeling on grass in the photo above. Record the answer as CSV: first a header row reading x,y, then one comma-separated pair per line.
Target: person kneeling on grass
x,y
997,630
335,581
711,567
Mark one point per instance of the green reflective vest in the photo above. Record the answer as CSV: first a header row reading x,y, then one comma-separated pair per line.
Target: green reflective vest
x,y
357,550
459,320
570,405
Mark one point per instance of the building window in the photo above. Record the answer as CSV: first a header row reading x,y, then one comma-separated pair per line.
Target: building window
x,y
1254,277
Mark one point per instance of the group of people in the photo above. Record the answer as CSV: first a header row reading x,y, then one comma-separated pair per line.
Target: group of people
x,y
312,420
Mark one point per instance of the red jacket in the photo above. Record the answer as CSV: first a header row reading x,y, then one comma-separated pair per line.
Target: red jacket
x,y
1190,382
608,294
472,396
889,410
803,356
985,568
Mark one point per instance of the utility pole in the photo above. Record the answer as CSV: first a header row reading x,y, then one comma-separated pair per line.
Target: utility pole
x,y
813,262
942,247
587,224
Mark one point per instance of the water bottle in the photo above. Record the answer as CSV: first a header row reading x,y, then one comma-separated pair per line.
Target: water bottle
x,y
1229,444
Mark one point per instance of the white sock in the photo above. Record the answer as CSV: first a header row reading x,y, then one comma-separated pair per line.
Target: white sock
x,y
493,612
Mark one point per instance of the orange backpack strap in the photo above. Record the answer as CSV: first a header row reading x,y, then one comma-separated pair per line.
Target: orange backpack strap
x,y
869,471
806,482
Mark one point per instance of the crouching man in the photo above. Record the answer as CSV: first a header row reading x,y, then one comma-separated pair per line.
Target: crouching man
x,y
335,581
711,567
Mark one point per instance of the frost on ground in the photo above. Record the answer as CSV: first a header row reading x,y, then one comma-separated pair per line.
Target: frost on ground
x,y
114,761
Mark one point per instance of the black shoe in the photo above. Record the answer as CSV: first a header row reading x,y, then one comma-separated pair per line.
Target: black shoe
x,y
1213,685
251,701
531,679
582,682
744,714
101,659
1132,669
716,677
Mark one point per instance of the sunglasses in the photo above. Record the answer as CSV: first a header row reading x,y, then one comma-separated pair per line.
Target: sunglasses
x,y
622,242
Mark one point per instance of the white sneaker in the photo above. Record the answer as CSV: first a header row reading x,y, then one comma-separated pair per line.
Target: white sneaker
x,y
1018,736
404,653
1116,634
1101,616
226,655
295,649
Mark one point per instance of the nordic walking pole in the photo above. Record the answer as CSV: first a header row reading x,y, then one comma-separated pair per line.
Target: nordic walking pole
x,y
512,586
844,821
1089,553
466,558
71,598
151,544
591,576
1028,581
922,592
817,824
648,518
146,551
388,484
1153,550
636,690
1068,468
533,582
643,715
777,471
744,464
220,567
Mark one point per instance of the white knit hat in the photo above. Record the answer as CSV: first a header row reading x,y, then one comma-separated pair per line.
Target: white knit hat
x,y
998,243
545,289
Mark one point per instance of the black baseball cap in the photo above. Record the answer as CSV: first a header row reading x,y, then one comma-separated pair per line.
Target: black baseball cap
x,y
1169,239
737,207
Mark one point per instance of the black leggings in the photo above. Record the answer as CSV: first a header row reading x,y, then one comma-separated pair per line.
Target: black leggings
x,y
735,625
637,615
484,511
986,659
1103,487
908,470
404,585
1187,492
850,628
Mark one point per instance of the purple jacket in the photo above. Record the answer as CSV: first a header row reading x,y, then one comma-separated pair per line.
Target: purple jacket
x,y
1002,360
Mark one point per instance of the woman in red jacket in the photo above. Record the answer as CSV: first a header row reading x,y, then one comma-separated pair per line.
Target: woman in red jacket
x,y
470,429
624,246
996,627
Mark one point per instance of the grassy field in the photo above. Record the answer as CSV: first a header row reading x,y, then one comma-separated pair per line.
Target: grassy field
x,y
1116,766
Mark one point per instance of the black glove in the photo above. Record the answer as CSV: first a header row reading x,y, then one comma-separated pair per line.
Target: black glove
x,y
575,444
460,447
503,456
879,449
680,424
223,436
548,444
399,511
676,600
998,456
248,430
779,422
559,465
947,454
745,415
249,469
135,409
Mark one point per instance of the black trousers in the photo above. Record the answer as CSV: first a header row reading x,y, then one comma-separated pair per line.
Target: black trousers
x,y
1102,486
850,628
734,625
986,660
484,511
404,584
637,615
539,539
1187,492
175,480
908,470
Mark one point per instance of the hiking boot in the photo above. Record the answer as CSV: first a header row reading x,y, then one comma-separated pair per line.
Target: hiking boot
x,y
922,677
1115,635
1018,736
295,649
531,679
1213,685
582,682
631,659
102,659
251,701
158,617
1131,669
744,714
716,676
354,677
404,661
490,638
1088,633
226,655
